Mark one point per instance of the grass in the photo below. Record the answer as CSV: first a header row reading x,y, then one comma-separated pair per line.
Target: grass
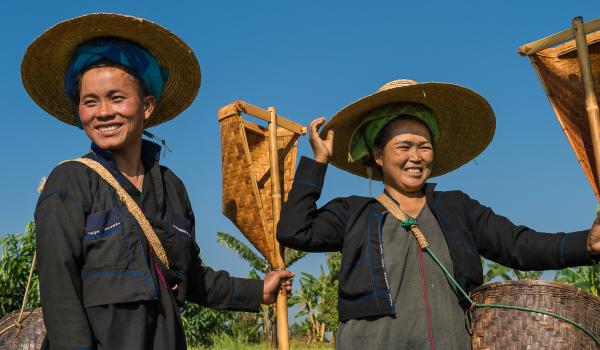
x,y
231,343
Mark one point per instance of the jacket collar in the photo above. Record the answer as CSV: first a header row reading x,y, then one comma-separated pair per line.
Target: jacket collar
x,y
150,154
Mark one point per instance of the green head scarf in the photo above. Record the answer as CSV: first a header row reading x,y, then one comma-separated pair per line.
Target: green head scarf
x,y
361,143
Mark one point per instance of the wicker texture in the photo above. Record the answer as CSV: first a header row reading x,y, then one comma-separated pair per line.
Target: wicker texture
x,y
514,329
29,337
247,181
558,70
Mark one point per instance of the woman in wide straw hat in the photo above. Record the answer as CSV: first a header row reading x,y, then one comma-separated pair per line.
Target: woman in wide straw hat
x,y
116,246
391,294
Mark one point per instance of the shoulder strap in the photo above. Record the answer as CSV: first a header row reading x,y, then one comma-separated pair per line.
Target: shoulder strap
x,y
395,210
131,205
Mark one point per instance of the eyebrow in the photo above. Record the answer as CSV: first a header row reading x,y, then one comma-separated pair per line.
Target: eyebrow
x,y
110,93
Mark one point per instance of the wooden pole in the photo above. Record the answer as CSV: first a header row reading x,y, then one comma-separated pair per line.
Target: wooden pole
x,y
591,103
555,39
282,314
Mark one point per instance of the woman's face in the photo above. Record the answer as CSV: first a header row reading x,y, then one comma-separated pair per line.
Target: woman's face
x,y
407,156
112,109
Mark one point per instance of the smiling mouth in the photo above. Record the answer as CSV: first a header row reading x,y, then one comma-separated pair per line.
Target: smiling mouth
x,y
416,171
108,128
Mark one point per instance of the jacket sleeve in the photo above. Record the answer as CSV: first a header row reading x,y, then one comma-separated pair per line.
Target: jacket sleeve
x,y
522,248
217,289
60,220
301,225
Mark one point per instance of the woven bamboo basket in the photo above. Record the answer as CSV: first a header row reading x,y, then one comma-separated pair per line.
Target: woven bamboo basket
x,y
559,72
29,336
246,175
495,328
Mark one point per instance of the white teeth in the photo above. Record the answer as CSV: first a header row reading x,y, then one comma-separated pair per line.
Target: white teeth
x,y
413,171
108,128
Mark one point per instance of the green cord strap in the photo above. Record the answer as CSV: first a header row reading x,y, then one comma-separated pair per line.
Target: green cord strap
x,y
408,223
499,306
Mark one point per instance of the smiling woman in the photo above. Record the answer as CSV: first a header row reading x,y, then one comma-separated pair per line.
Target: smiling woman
x,y
391,295
116,246
112,110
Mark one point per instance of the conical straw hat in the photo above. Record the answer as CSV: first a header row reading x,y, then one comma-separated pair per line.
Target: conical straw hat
x,y
466,121
47,58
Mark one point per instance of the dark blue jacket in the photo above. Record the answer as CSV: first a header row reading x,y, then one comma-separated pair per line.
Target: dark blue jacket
x,y
92,255
353,226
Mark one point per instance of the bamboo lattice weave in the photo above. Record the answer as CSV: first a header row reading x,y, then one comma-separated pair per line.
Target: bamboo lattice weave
x,y
247,180
558,70
29,337
495,328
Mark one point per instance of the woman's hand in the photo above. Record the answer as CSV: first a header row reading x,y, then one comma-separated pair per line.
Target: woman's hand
x,y
273,282
594,237
322,149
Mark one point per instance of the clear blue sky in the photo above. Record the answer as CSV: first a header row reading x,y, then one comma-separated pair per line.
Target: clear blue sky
x,y
310,59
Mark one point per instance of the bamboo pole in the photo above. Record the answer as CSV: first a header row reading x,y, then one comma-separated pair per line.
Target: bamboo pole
x,y
282,312
245,107
591,103
555,39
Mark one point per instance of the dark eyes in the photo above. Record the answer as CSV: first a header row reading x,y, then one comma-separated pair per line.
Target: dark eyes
x,y
401,146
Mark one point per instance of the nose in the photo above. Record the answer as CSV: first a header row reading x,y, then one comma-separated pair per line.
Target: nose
x,y
104,109
415,155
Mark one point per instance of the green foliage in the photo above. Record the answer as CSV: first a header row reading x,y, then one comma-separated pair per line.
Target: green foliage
x,y
201,323
317,298
255,261
584,277
15,262
266,318
495,271
329,305
293,255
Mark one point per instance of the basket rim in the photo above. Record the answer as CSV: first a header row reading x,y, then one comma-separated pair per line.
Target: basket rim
x,y
535,283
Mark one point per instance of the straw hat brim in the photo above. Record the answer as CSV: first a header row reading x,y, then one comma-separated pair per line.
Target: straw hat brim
x,y
466,121
47,58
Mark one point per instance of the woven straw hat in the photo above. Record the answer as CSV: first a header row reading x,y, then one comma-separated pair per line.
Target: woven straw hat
x,y
466,121
47,58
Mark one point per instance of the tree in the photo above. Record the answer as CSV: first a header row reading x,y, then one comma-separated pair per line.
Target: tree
x,y
15,263
259,266
318,299
330,298
495,270
310,297
584,277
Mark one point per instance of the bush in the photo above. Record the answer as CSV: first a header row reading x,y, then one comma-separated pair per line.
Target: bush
x,y
15,262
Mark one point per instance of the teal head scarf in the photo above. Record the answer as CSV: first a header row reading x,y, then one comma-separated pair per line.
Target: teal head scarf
x,y
119,51
363,139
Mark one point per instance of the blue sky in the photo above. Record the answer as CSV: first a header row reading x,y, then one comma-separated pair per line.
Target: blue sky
x,y
311,59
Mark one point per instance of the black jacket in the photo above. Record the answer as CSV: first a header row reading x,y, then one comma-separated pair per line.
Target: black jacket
x,y
353,226
91,252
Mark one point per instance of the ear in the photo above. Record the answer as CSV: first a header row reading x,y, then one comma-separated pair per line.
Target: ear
x,y
149,104
378,155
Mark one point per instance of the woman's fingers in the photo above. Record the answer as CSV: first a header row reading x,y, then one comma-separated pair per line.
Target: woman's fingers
x,y
321,148
329,140
315,125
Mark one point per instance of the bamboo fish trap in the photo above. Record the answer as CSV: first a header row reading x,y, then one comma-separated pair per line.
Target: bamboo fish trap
x,y
539,314
258,170
570,75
